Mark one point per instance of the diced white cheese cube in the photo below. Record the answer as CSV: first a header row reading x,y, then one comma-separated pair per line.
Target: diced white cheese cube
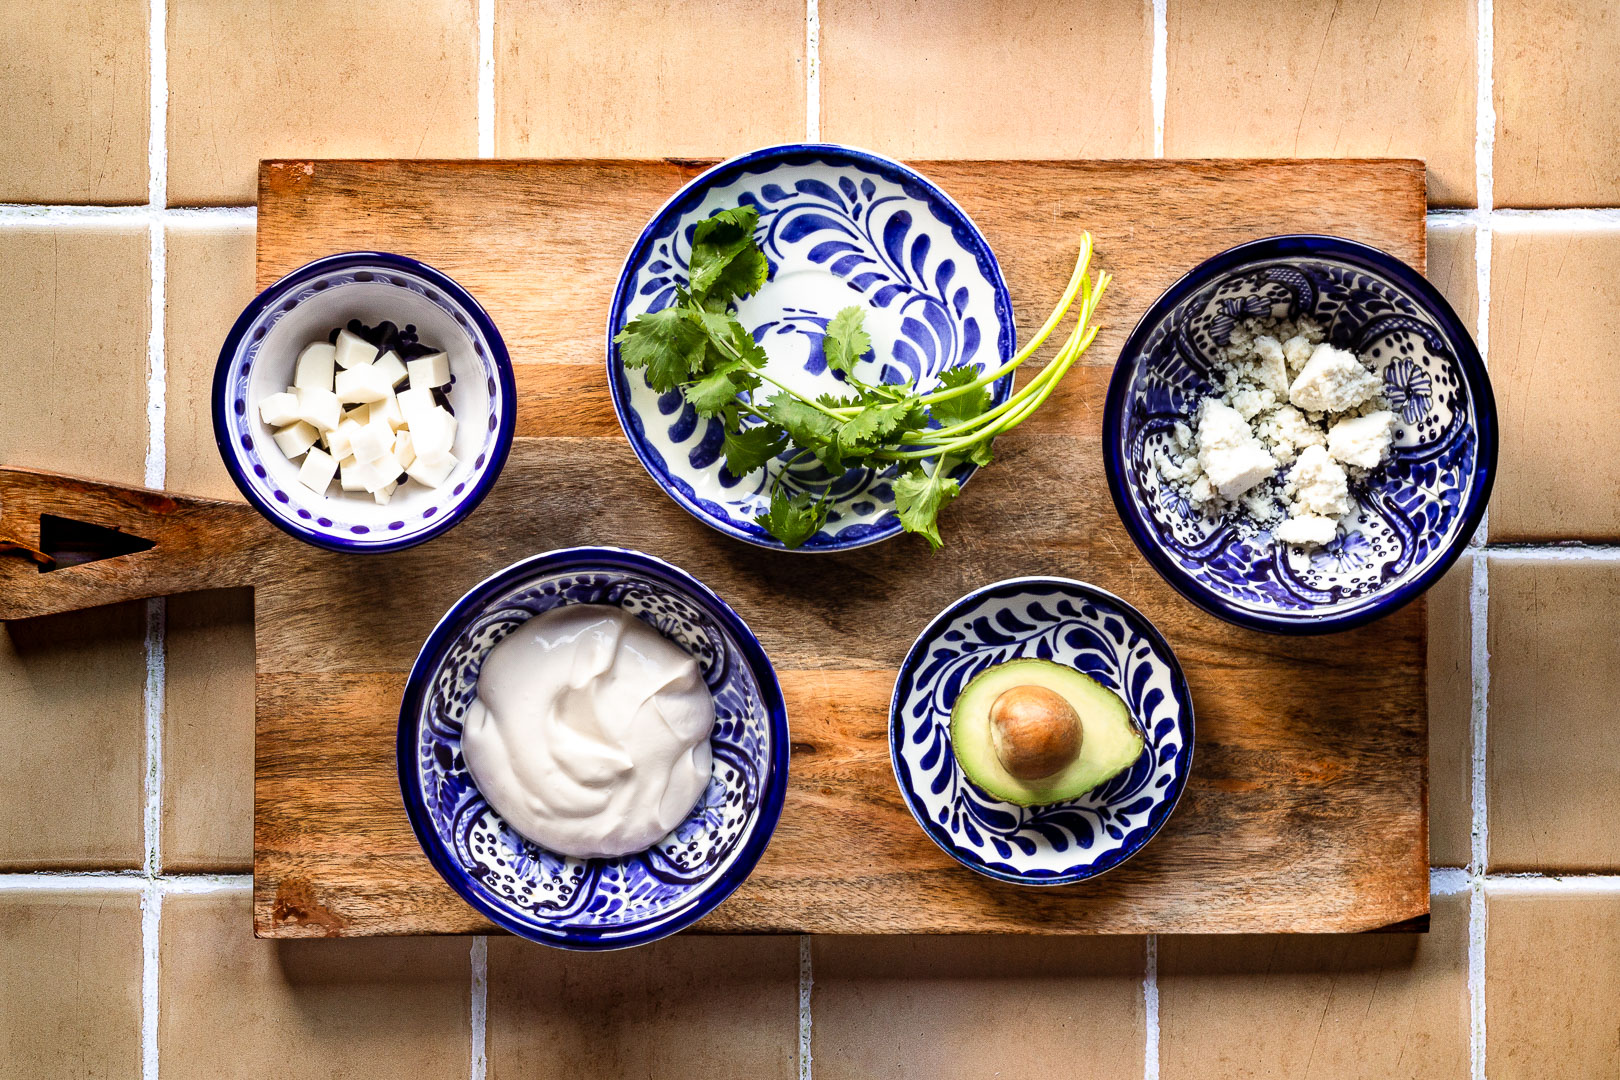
x,y
315,366
432,473
404,450
296,439
1307,530
279,410
1318,484
429,371
353,351
388,409
319,408
391,366
372,441
382,495
434,435
1232,458
317,472
349,475
360,414
1332,381
415,405
362,385
341,441
1361,441
384,471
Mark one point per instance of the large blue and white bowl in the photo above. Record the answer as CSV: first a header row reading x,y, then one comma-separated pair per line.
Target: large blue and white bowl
x,y
594,904
1417,512
1070,623
839,227
257,360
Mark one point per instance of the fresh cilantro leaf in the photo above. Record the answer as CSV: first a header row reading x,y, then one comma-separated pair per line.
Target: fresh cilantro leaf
x,y
726,330
872,429
846,340
725,262
751,448
980,453
963,407
919,497
714,391
808,427
793,520
668,344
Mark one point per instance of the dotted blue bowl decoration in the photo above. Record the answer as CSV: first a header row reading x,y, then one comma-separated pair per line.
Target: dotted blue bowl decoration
x,y
1417,512
839,227
595,904
1070,623
335,289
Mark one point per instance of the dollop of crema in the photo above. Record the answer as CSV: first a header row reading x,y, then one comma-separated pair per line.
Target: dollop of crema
x,y
590,732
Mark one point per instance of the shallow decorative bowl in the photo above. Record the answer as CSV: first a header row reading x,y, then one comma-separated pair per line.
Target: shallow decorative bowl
x,y
838,227
595,903
258,357
1421,508
1071,623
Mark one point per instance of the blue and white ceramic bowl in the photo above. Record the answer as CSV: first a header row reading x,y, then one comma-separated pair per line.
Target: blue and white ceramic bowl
x,y
838,227
596,903
1071,623
257,359
1419,510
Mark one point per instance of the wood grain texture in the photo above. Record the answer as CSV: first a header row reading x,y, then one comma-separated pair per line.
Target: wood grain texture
x,y
1306,807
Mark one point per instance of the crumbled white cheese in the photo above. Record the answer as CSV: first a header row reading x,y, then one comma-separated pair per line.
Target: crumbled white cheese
x,y
1231,457
1362,441
1318,484
1332,381
1306,530
1263,451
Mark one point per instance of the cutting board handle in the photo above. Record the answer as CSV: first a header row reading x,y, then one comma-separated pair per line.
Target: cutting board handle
x,y
68,543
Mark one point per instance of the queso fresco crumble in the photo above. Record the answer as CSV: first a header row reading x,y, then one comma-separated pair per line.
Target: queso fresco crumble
x,y
1277,446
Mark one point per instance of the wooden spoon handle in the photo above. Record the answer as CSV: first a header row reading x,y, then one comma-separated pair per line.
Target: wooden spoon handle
x,y
194,543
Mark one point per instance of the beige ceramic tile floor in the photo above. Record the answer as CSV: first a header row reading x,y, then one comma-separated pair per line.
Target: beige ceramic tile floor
x,y
126,733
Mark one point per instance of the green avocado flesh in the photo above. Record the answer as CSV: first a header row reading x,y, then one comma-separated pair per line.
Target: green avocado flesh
x,y
1109,742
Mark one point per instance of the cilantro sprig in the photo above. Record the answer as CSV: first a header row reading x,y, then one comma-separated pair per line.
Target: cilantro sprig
x,y
696,345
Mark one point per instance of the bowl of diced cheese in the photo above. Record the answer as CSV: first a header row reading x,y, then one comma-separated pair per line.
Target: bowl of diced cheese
x,y
364,402
1300,434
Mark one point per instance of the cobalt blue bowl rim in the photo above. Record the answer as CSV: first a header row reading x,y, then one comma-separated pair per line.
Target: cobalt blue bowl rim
x,y
1416,289
1161,647
470,606
688,196
485,326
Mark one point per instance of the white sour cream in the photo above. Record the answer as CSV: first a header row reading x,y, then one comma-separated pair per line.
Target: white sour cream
x,y
590,732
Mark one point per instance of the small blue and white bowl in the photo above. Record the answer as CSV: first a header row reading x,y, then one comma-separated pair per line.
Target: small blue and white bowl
x,y
1418,511
839,227
257,359
1070,623
594,904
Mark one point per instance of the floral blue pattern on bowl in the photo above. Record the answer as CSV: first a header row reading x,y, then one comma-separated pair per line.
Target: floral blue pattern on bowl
x,y
1415,515
257,359
1068,622
838,227
594,903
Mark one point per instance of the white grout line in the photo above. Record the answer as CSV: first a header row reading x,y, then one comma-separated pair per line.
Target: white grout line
x,y
1448,881
1553,884
154,691
1479,591
1157,80
1557,552
479,1066
812,71
1150,1005
486,78
187,215
151,913
807,983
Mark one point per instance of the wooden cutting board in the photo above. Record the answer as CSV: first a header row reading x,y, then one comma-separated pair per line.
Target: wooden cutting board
x,y
1307,807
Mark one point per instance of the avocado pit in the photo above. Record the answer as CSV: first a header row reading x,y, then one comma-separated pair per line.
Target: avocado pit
x,y
1035,731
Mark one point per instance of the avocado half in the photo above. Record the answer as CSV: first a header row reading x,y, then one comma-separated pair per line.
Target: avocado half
x,y
1108,741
